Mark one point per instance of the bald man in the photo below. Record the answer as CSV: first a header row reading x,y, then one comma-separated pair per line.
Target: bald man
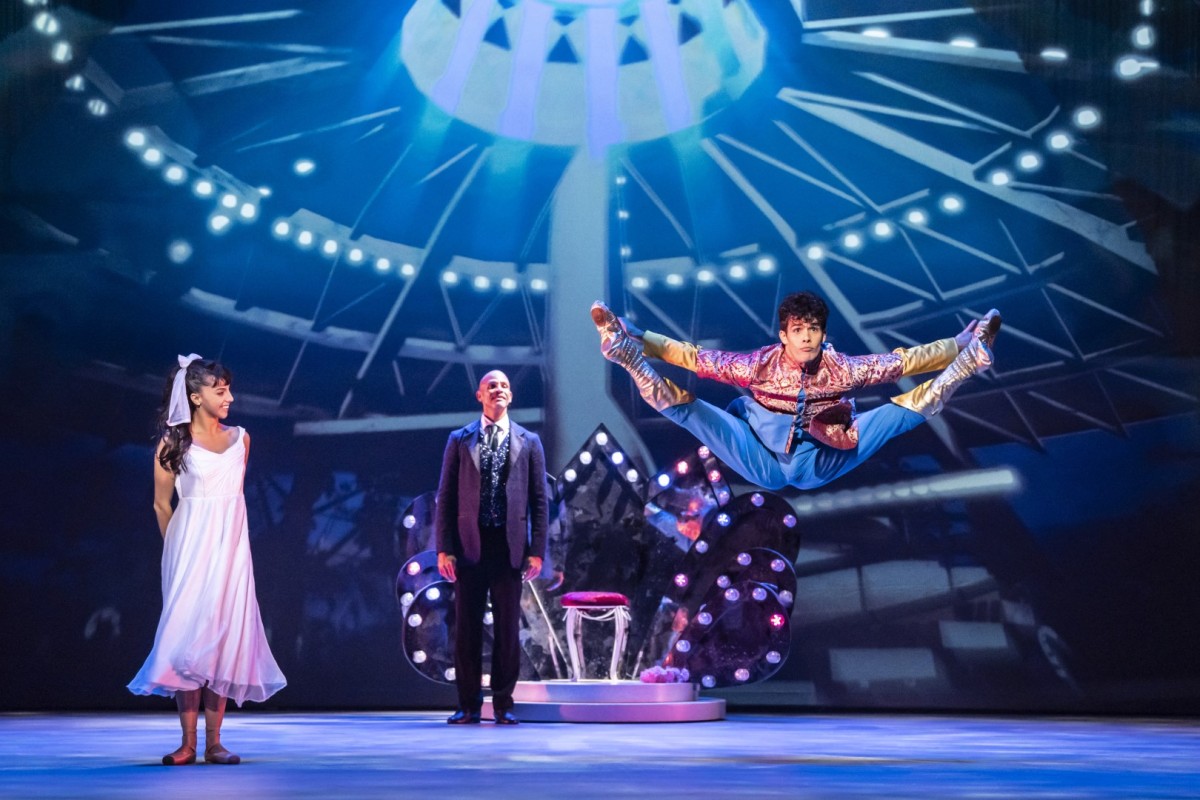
x,y
492,514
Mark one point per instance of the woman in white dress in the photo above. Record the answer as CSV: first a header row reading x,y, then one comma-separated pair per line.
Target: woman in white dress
x,y
210,644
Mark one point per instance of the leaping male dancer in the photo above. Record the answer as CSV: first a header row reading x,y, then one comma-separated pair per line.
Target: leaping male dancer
x,y
798,428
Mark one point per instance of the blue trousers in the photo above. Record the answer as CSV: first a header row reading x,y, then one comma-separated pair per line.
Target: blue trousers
x,y
750,439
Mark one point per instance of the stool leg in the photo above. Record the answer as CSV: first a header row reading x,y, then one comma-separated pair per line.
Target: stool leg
x,y
620,621
573,641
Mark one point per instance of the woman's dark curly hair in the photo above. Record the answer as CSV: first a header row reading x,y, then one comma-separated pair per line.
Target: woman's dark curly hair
x,y
177,439
803,306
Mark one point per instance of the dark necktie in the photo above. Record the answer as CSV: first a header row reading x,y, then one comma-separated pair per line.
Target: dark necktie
x,y
493,437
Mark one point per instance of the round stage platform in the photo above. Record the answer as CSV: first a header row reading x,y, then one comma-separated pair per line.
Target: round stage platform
x,y
611,701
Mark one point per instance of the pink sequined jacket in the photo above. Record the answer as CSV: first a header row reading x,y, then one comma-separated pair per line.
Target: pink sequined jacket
x,y
815,396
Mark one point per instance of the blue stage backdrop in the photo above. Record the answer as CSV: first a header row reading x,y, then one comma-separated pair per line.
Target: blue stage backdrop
x,y
362,207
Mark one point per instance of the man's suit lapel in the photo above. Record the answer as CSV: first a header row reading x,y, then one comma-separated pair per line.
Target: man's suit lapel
x,y
472,440
516,442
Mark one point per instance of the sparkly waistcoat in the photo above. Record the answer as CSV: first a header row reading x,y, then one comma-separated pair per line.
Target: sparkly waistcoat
x,y
816,395
493,472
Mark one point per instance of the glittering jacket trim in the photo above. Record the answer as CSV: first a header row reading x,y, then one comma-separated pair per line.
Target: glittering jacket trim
x,y
816,395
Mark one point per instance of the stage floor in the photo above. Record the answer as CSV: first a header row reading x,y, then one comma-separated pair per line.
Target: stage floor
x,y
415,754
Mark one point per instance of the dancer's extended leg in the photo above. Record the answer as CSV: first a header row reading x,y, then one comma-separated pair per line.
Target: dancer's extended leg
x,y
732,440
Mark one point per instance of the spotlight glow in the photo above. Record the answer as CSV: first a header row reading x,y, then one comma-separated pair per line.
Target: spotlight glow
x,y
1058,141
815,252
179,251
952,204
1054,54
248,211
414,620
383,264
757,500
640,283
175,174
219,223
852,241
683,645
62,52
282,228
1029,161
876,33
450,278
917,217
737,272
1130,67
356,255
407,270
481,282
1087,117
675,280
304,166
705,276
305,238
97,107
538,285
765,265
135,138
152,155
76,83
203,188
330,247
1143,37
963,41
46,24
419,656
1000,177
506,284
882,229
229,200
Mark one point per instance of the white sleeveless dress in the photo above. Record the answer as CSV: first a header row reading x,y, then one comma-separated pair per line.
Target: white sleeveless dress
x,y
210,633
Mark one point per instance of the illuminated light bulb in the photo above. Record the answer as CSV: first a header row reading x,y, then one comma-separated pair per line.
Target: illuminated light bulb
x,y
618,458
481,282
765,265
705,276
963,41
305,238
917,217
506,284
789,520
631,475
785,597
663,480
356,255
203,188
538,285
152,155
683,645
714,476
433,593
852,241
407,270
744,559
406,599
179,251
304,166
585,458
882,229
218,223
450,278
414,620
675,280
97,107
759,594
1054,54
488,618
876,33
229,200
708,681
701,546
1029,161
419,656
1087,117
449,674
737,272
952,204
723,520
175,174
1000,177
248,211
413,567
723,581
640,283
815,252
409,521
329,247
383,264
773,657
570,475
732,595
756,500
704,618
601,438
681,580
778,565
135,138
1058,141
1143,37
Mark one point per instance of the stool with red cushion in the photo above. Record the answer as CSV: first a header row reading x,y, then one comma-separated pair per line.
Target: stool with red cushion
x,y
598,607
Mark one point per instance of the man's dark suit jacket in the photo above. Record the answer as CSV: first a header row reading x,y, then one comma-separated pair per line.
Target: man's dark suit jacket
x,y
458,496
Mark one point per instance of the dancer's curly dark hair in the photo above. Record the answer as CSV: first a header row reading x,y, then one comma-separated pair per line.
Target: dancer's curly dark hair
x,y
177,439
803,306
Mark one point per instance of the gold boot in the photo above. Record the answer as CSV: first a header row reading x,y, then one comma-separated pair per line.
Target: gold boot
x,y
988,327
930,397
623,350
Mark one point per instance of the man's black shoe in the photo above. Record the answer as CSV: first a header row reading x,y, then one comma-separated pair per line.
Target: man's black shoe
x,y
461,717
507,718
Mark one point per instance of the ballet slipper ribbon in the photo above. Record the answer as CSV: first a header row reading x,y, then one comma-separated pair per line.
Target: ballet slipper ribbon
x,y
179,411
